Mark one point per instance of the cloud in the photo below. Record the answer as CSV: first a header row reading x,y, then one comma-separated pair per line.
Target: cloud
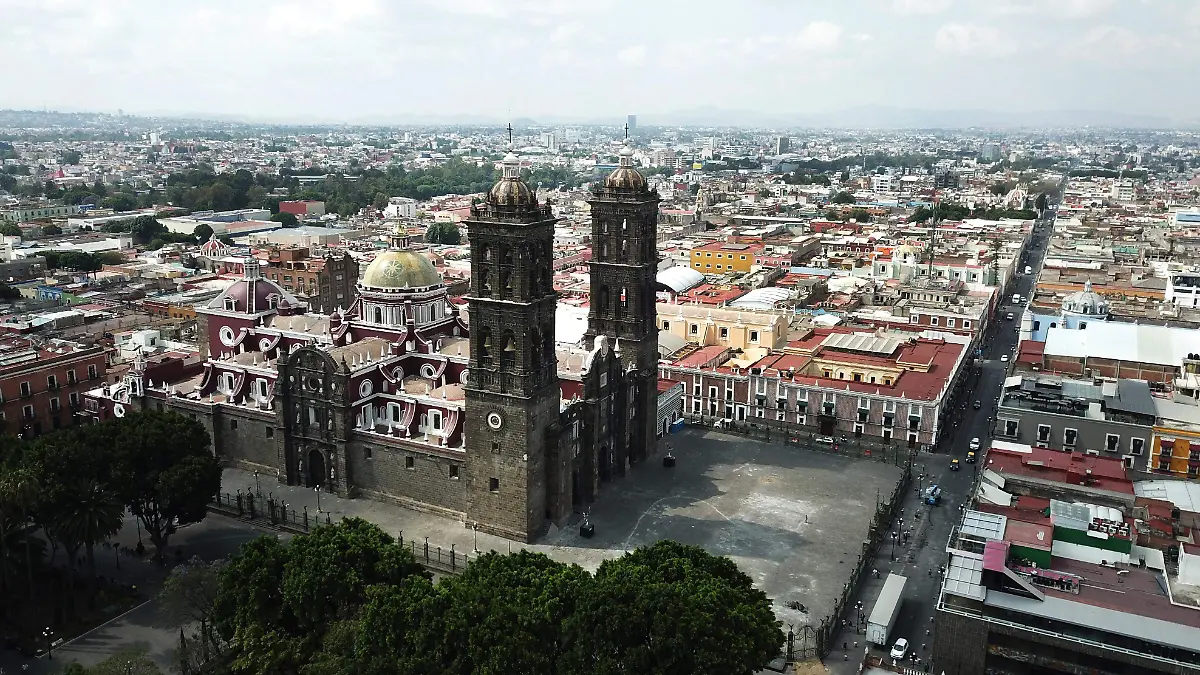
x,y
632,56
967,39
817,36
565,32
1110,40
907,7
1074,9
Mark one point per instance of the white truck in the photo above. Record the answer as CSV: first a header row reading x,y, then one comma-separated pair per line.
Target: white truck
x,y
887,606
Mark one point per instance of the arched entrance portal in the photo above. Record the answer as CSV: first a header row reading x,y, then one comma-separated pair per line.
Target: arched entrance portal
x,y
317,474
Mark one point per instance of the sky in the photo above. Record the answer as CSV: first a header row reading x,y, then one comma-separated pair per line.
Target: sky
x,y
372,60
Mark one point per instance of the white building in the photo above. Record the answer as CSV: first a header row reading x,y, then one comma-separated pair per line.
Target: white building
x,y
400,207
1183,289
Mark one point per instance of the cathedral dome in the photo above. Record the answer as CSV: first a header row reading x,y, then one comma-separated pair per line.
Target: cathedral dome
x,y
400,269
510,190
1086,302
625,177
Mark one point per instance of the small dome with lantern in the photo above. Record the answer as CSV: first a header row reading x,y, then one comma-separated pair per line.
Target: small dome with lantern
x,y
625,176
399,268
510,190
1085,303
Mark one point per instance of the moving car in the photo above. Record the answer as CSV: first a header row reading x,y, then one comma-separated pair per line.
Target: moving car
x,y
1004,358
1016,299
974,443
954,465
976,405
970,458
933,495
1028,269
827,440
900,649
1009,316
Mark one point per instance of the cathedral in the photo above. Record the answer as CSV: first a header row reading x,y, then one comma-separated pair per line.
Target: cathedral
x,y
485,418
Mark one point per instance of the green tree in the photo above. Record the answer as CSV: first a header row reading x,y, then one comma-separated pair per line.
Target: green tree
x,y
1041,203
88,515
509,614
843,197
203,232
145,228
671,608
10,230
860,215
165,472
287,219
71,157
189,597
833,215
51,230
380,201
8,292
120,202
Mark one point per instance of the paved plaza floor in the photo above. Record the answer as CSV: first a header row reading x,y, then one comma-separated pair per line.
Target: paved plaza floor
x,y
793,519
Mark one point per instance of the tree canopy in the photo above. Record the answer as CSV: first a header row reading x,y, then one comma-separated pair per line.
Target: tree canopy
x,y
347,599
443,233
843,197
287,219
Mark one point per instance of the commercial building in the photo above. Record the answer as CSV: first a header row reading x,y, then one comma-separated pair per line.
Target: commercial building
x,y
710,326
21,214
1111,418
305,208
1053,572
323,283
42,383
722,257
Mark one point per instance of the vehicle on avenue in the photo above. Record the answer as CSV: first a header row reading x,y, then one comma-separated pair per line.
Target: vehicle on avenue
x,y
974,443
970,458
826,440
1009,316
954,465
1004,358
900,649
933,495
976,405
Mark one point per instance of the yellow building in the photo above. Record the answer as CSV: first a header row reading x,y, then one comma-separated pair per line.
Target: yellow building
x,y
720,257
1175,447
708,326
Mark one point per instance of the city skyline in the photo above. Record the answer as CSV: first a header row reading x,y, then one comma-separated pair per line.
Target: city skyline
x,y
368,61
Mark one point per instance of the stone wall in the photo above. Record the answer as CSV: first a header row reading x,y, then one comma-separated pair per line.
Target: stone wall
x,y
433,483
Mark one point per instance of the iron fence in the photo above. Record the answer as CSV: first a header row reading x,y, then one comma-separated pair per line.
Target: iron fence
x,y
271,512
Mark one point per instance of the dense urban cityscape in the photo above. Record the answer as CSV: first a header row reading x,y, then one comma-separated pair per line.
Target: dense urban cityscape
x,y
597,393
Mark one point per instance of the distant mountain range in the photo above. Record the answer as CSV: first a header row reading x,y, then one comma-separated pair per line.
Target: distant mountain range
x,y
861,117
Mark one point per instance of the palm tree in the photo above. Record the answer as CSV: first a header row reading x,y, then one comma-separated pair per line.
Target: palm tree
x,y
89,517
20,490
17,492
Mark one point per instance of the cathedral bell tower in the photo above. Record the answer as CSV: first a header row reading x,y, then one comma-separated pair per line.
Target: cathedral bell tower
x,y
623,268
512,394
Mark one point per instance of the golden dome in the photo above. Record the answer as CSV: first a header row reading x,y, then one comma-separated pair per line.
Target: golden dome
x,y
399,269
625,177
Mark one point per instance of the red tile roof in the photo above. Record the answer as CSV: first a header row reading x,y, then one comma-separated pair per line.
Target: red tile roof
x,y
1071,468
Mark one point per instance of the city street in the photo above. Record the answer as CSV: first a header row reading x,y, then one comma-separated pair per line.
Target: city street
x,y
925,551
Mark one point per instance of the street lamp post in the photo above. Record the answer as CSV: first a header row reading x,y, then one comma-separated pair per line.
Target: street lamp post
x,y
317,489
893,534
257,486
475,529
49,635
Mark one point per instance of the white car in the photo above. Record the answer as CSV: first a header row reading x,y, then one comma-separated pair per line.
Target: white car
x,y
1004,358
900,649
827,440
974,444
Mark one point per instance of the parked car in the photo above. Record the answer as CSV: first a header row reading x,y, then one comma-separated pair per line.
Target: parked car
x,y
900,649
827,440
974,443
1004,358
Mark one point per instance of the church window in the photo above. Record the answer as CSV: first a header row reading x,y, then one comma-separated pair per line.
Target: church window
x,y
453,472
602,298
233,425
494,484
273,300
1082,325
230,304
435,420
485,346
410,462
378,315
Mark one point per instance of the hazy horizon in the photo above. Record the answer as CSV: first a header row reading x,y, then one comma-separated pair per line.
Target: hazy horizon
x,y
371,61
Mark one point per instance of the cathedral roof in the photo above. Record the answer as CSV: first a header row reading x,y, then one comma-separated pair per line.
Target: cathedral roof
x,y
253,293
1086,302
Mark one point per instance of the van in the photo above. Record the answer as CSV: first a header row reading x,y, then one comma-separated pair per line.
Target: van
x,y
1016,300
1028,269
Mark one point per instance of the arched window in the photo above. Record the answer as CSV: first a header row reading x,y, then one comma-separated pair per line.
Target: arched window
x,y
483,346
508,353
486,253
1037,325
378,315
602,300
485,281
